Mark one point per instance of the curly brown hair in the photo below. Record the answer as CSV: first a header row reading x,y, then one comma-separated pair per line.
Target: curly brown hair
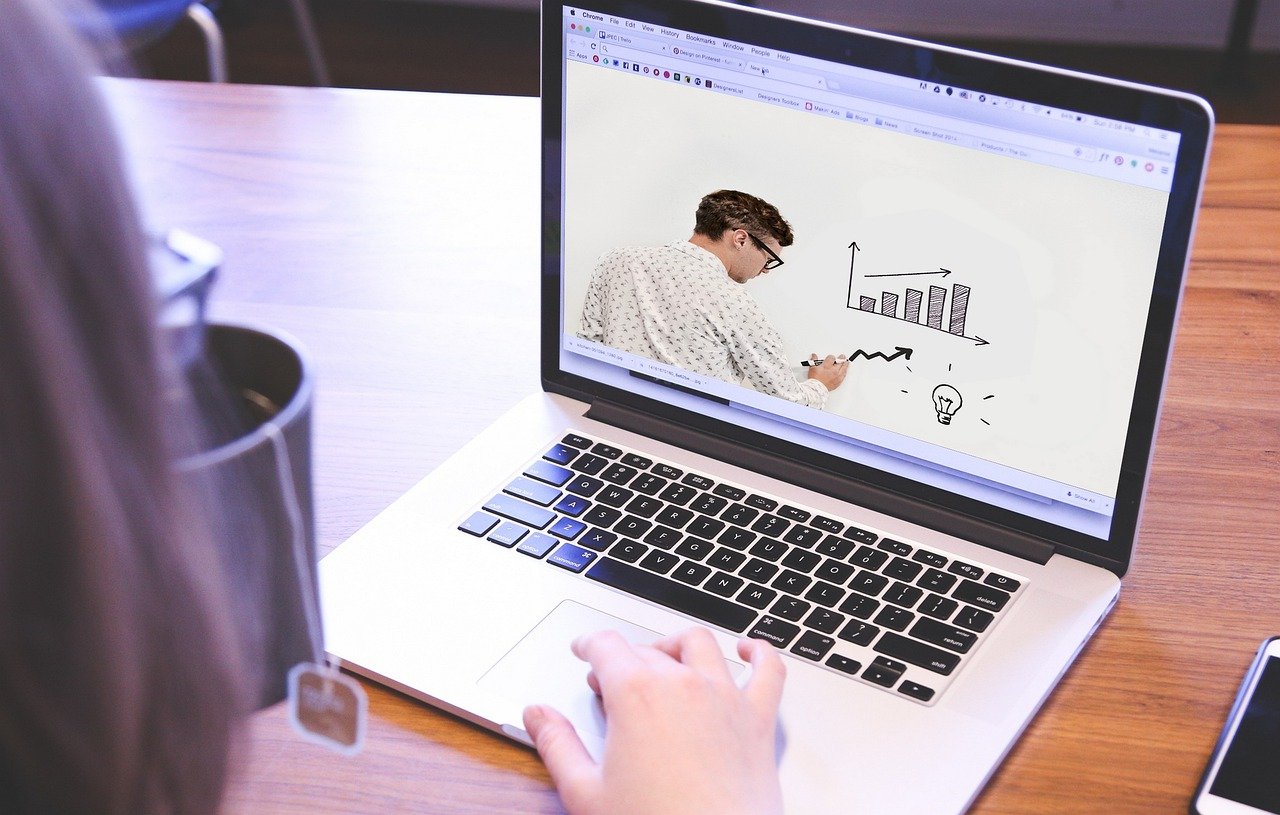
x,y
730,209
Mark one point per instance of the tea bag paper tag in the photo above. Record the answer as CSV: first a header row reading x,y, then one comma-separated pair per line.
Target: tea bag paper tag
x,y
327,707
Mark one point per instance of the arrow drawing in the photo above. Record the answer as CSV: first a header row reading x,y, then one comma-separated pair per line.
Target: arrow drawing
x,y
898,351
941,271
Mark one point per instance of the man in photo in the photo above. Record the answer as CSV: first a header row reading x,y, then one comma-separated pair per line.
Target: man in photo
x,y
685,303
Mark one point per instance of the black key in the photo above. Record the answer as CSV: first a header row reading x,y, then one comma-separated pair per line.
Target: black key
x,y
674,517
699,481
691,573
974,619
860,606
572,505
881,674
790,608
770,525
778,632
648,484
896,547
869,558
639,462
598,539
705,527
824,594
869,583
573,558
708,504
549,473
791,582
678,494
560,454
844,664
518,510
659,561
632,527
601,516
726,559
756,596
834,547
508,534
628,550
946,636
900,594
574,440
671,594
614,495
794,513
769,549
853,533
730,492
826,524
915,691
723,584
737,538
981,596
584,485
902,569
478,523
917,653
619,473
758,570
965,570
739,514
824,620
938,607
805,536
695,548
662,537
667,471
928,558
893,617
934,580
760,502
833,571
589,464
644,506
606,450
813,646
859,633
801,561
999,581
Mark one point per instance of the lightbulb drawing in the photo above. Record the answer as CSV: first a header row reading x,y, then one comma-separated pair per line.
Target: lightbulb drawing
x,y
946,401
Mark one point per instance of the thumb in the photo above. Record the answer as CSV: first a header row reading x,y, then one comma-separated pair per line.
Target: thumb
x,y
572,769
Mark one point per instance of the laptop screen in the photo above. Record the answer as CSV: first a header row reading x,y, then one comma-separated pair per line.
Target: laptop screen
x,y
989,247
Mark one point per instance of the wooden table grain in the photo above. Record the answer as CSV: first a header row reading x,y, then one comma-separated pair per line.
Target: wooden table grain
x,y
388,230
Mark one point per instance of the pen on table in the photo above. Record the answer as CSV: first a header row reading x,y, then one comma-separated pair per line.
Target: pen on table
x,y
813,363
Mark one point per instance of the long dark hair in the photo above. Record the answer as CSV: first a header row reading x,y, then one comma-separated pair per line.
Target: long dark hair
x,y
118,665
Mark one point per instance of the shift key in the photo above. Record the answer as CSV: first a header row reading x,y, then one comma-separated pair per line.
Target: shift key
x,y
917,653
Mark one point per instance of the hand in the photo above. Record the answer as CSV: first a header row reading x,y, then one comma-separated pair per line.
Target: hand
x,y
831,372
682,738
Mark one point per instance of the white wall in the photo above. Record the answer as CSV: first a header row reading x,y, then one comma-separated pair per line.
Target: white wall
x,y
1184,23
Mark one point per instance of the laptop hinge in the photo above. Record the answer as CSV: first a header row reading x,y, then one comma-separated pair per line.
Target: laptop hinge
x,y
823,481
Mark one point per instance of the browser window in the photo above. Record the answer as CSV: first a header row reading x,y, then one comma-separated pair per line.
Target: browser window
x,y
986,263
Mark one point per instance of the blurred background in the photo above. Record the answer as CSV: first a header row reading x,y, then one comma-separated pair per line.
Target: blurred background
x,y
491,46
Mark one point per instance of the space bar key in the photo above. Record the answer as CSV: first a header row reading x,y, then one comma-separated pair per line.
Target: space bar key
x,y
671,594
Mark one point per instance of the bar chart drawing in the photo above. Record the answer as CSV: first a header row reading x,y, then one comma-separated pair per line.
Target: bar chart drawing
x,y
945,310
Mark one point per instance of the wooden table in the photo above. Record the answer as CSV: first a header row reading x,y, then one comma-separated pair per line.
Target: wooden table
x,y
382,227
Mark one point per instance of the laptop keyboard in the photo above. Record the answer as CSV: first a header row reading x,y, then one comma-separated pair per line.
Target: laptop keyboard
x,y
881,610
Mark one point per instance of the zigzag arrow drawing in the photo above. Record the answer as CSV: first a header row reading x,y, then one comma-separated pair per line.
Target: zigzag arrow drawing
x,y
899,351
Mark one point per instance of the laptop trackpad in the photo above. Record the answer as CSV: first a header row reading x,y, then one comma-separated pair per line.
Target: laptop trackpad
x,y
541,669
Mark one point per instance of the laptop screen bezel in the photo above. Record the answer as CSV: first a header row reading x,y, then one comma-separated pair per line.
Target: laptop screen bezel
x,y
1112,99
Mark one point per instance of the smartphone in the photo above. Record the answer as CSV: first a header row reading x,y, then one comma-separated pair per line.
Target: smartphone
x,y
1243,776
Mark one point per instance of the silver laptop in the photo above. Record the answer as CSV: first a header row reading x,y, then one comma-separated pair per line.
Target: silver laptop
x,y
997,248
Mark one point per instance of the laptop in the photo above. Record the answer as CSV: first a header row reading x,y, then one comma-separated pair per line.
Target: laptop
x,y
998,250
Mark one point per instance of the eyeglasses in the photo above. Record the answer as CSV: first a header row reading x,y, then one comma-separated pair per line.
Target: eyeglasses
x,y
774,261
